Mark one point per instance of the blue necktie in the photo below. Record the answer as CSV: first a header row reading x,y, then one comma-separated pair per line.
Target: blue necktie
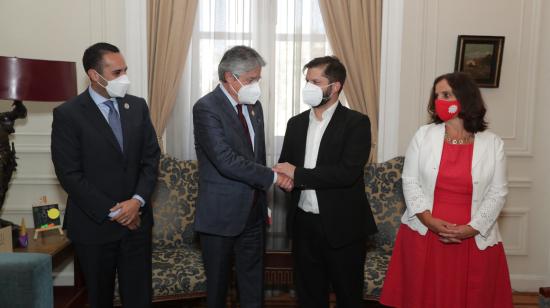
x,y
114,122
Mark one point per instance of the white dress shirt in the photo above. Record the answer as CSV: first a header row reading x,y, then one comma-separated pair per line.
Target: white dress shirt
x,y
316,129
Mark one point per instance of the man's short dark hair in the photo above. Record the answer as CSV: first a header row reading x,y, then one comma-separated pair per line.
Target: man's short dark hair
x,y
93,56
334,70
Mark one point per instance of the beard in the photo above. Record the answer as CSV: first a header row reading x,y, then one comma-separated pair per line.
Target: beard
x,y
326,96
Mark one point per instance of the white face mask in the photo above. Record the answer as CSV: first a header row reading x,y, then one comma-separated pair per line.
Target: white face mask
x,y
118,86
250,93
313,94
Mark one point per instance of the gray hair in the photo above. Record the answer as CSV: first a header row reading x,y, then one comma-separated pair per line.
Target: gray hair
x,y
239,60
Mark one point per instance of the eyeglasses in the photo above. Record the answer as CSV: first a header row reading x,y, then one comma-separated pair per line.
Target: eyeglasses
x,y
248,80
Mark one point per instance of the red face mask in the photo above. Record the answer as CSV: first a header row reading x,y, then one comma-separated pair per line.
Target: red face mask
x,y
446,110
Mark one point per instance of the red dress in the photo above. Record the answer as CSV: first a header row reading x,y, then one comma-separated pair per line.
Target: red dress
x,y
426,273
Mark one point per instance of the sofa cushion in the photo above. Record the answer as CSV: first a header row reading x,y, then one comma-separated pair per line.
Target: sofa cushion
x,y
26,280
174,203
384,191
375,272
178,272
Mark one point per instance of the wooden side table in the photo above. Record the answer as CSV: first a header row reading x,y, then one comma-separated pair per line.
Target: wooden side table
x,y
52,243
60,248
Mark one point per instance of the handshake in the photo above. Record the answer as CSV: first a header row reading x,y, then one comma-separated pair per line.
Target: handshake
x,y
285,176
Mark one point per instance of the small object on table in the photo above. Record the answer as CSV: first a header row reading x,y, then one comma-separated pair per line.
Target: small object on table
x,y
6,239
37,231
23,235
46,217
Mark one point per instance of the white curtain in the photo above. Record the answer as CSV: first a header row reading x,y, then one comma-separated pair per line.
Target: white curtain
x,y
287,33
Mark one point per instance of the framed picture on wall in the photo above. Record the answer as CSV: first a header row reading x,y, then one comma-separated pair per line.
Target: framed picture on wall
x,y
481,58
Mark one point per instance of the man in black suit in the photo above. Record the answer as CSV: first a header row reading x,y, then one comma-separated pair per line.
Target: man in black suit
x,y
106,155
233,179
325,150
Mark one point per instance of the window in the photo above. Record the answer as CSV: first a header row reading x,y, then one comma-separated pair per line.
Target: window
x,y
287,33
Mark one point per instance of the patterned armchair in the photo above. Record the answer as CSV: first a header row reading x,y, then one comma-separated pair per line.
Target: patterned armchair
x,y
178,272
385,194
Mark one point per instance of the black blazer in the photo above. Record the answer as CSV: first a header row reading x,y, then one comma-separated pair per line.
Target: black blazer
x,y
338,176
93,170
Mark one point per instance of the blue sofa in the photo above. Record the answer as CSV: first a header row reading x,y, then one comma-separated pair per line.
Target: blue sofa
x,y
26,280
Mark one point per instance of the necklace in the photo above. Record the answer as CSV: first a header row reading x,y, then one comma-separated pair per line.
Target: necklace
x,y
458,140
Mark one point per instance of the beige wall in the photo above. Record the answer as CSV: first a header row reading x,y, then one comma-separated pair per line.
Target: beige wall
x,y
52,30
517,110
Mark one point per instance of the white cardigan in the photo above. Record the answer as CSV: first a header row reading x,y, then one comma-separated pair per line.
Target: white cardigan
x,y
490,185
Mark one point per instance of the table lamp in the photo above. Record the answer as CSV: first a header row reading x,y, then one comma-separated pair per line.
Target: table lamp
x,y
28,79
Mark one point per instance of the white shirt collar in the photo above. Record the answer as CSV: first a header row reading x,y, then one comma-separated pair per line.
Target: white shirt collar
x,y
327,114
98,98
231,99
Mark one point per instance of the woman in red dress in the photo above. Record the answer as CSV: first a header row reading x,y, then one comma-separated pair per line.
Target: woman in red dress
x,y
448,252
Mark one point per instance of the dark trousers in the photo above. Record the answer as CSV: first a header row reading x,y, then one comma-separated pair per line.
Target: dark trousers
x,y
247,249
318,266
130,257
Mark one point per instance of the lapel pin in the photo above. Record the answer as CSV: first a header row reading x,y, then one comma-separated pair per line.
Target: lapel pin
x,y
253,113
126,106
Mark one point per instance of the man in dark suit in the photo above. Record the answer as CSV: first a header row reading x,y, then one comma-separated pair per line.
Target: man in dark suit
x,y
324,151
233,179
106,155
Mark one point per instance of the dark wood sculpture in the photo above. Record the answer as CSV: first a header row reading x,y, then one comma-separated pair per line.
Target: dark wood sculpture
x,y
7,152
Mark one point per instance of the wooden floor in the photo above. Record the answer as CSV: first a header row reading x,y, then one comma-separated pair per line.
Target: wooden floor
x,y
521,300
61,295
526,300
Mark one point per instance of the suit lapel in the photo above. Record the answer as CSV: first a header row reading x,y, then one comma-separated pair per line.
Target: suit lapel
x,y
333,130
436,141
125,121
256,121
98,120
300,131
480,146
229,111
